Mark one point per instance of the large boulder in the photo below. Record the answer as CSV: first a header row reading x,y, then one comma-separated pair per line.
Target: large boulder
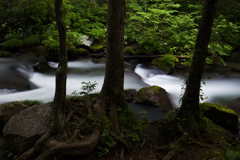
x,y
74,53
155,96
96,46
7,110
224,117
23,130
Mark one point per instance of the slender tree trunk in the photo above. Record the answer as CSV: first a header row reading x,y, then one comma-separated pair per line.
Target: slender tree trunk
x,y
112,90
61,73
190,99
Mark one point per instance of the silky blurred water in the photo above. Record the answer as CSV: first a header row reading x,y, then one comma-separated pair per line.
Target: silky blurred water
x,y
222,86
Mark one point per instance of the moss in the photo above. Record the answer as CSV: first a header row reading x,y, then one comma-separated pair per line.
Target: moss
x,y
12,44
206,106
96,46
31,41
155,96
167,63
29,103
74,53
5,54
223,117
128,51
83,52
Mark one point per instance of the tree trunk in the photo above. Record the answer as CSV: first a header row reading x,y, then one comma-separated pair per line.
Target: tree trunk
x,y
190,100
61,73
112,90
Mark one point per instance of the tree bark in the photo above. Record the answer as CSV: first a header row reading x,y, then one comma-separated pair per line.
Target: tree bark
x,y
61,73
112,90
190,99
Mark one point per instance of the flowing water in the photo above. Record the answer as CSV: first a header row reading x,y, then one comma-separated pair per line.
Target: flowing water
x,y
222,86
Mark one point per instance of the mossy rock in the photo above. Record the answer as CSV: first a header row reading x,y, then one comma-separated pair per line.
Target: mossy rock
x,y
5,54
100,60
155,96
97,46
167,63
224,117
73,52
128,51
12,44
42,66
83,52
211,154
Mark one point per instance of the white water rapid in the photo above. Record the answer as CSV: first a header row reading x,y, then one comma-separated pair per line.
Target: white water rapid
x,y
222,86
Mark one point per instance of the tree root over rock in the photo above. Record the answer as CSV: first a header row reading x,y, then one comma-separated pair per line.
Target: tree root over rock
x,y
80,133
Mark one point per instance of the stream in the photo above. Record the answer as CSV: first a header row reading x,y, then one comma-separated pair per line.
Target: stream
x,y
223,85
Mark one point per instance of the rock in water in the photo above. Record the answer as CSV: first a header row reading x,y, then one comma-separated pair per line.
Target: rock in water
x,y
155,96
23,130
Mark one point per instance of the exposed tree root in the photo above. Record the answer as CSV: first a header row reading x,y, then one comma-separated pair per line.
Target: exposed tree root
x,y
71,142
40,143
72,149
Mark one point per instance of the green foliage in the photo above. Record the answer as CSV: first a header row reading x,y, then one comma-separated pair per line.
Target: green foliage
x,y
51,38
169,59
128,51
130,126
224,38
157,26
12,44
107,138
29,102
88,87
232,155
73,95
31,41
